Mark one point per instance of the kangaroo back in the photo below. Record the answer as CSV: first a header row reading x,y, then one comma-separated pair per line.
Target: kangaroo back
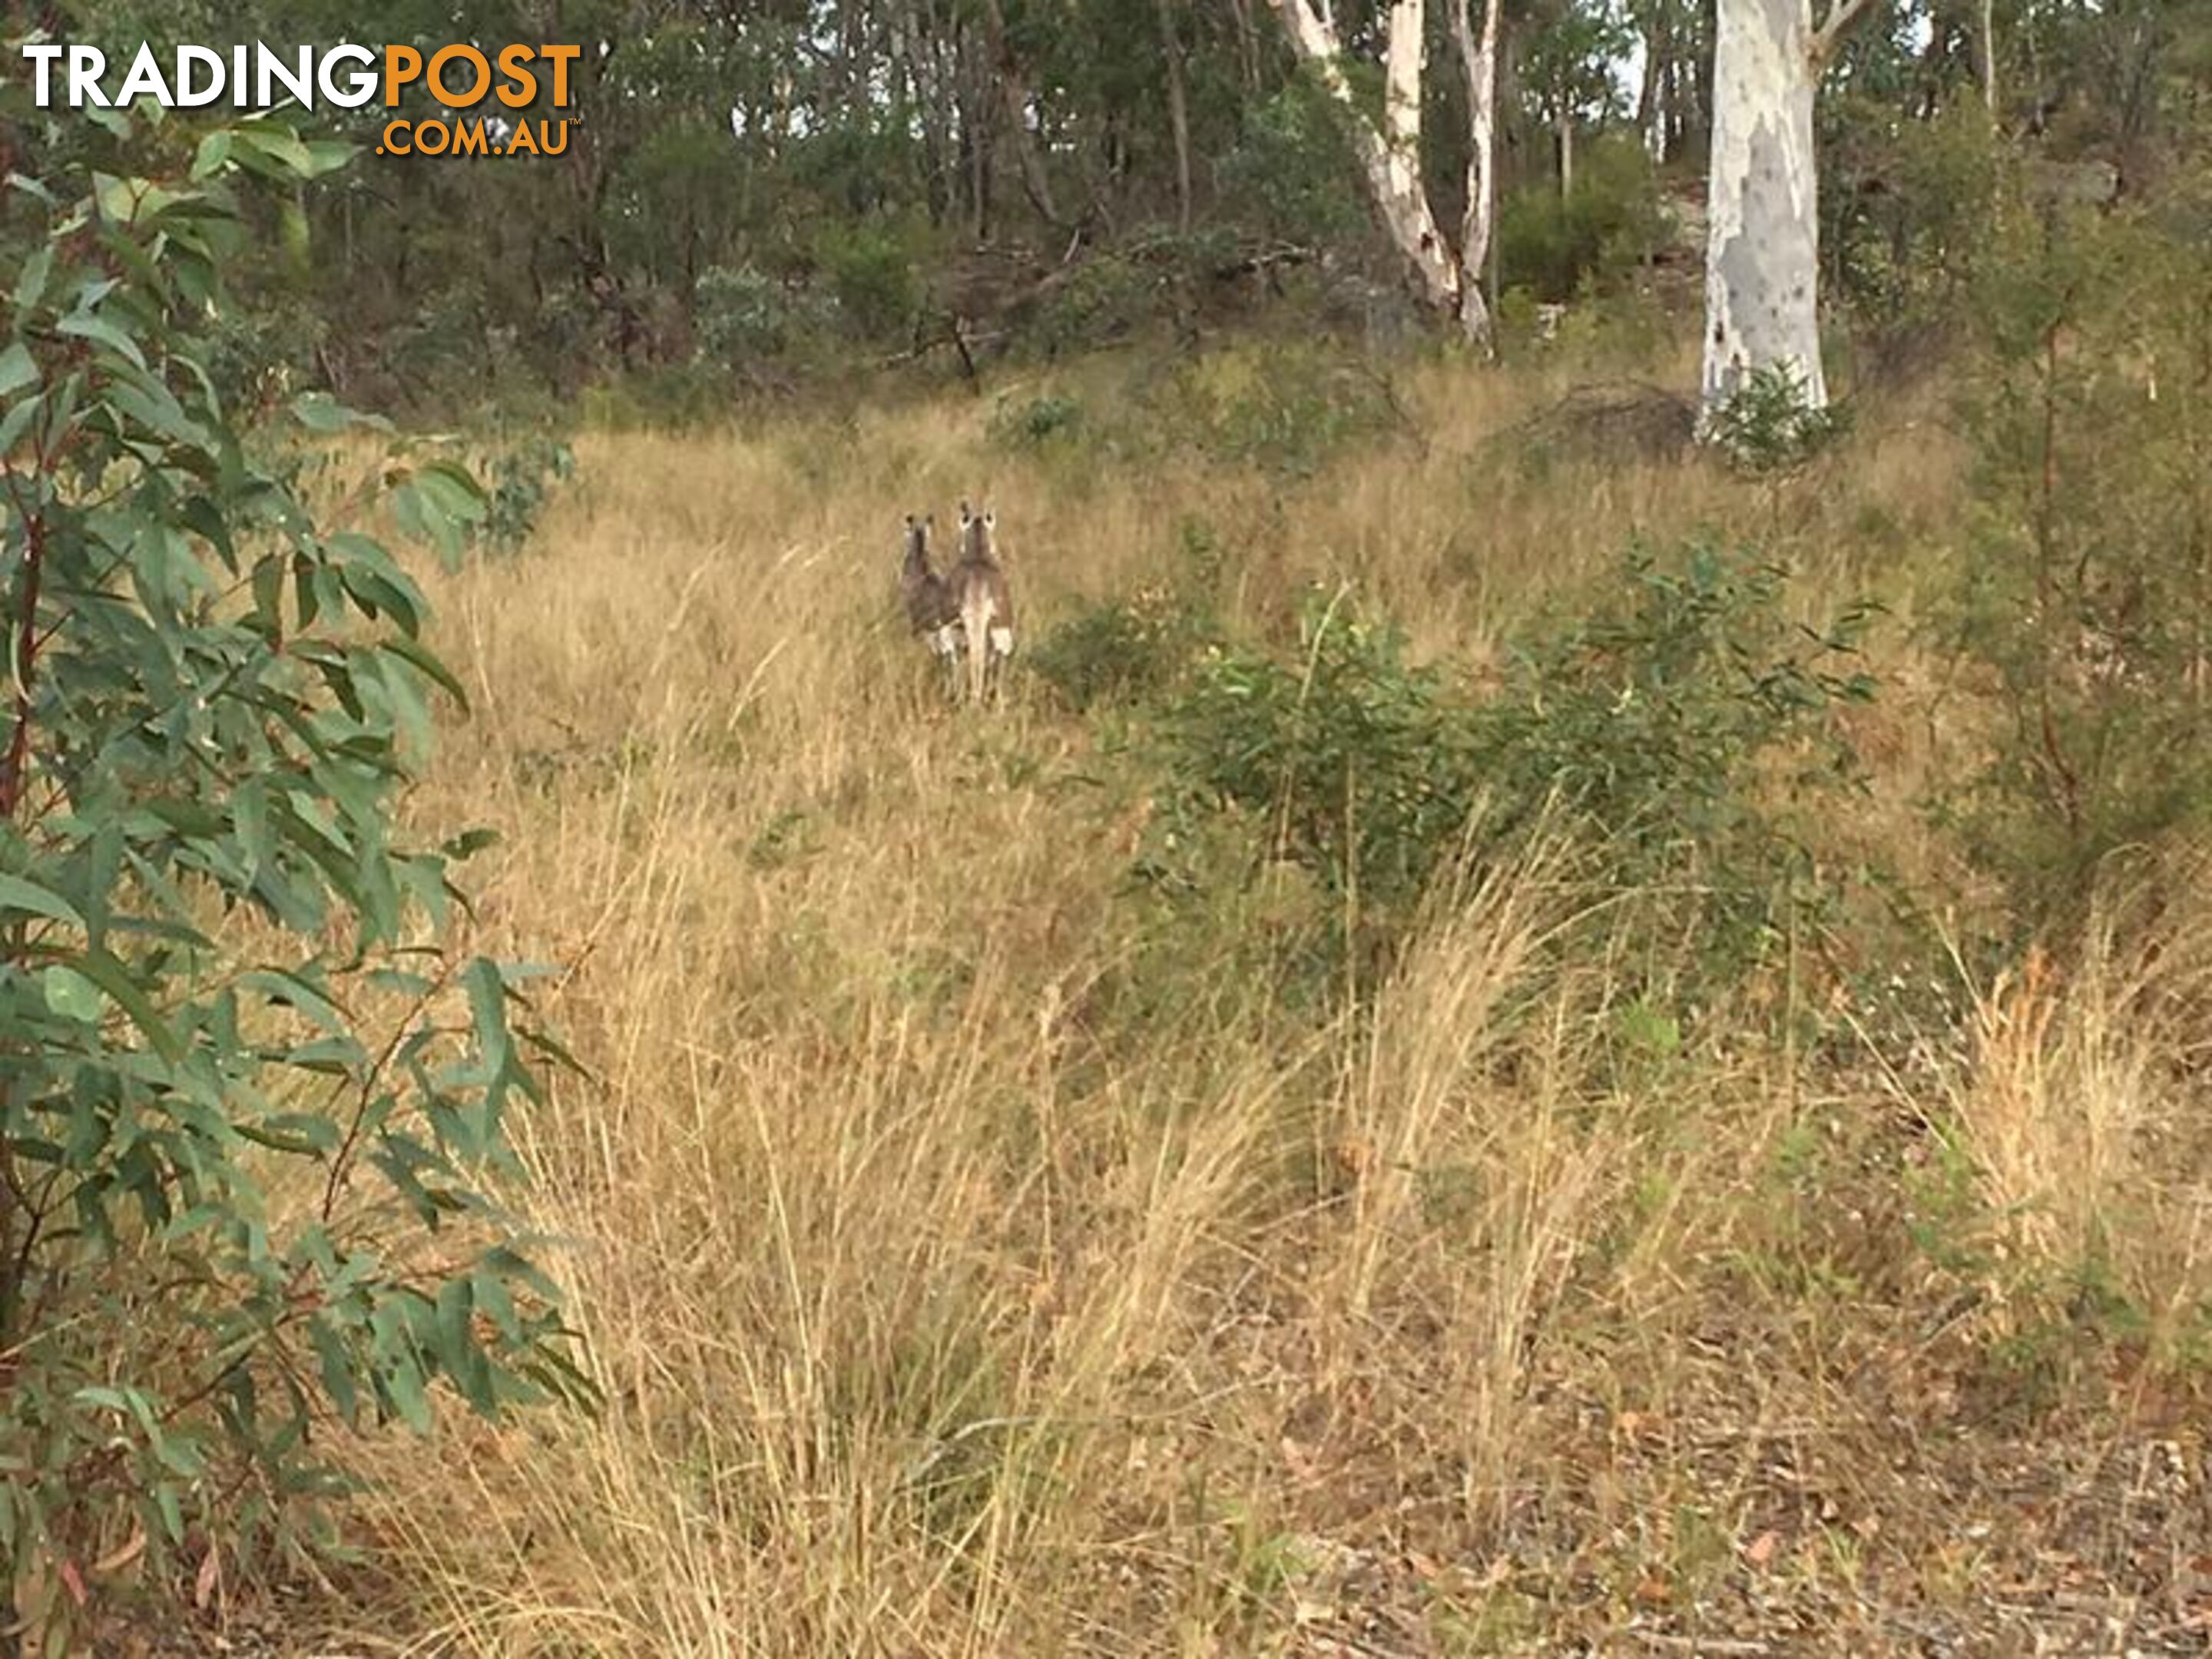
x,y
931,610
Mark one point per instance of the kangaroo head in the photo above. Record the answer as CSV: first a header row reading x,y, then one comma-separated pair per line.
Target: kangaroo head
x,y
977,533
917,542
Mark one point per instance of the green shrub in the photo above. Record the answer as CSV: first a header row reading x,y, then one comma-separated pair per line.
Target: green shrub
x,y
1676,729
1680,725
1035,422
743,313
2087,592
251,1106
1117,653
523,479
1767,427
1288,168
1141,650
1286,408
1909,208
1558,247
1103,300
871,274
1346,759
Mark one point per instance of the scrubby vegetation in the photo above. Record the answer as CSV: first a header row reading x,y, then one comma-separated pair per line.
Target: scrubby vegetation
x,y
1530,1035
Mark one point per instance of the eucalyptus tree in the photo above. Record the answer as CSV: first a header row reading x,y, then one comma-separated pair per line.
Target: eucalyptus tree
x,y
253,1099
1448,270
1762,251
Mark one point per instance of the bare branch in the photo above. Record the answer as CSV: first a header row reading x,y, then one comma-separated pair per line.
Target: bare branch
x,y
1842,14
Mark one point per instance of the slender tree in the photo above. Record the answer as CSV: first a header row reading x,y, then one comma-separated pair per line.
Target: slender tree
x,y
1449,277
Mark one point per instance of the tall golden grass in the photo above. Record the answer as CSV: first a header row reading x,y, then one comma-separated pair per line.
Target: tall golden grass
x,y
933,1320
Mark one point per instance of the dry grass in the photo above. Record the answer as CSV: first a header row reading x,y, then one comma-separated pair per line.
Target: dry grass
x,y
935,1317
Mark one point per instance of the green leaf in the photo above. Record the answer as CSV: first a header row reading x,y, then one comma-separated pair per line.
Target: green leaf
x,y
213,154
337,1368
282,986
71,994
85,326
17,421
31,286
488,1002
425,662
329,155
17,369
277,147
454,489
30,898
321,413
173,1517
109,974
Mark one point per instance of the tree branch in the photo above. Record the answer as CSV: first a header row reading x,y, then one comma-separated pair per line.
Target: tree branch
x,y
1842,14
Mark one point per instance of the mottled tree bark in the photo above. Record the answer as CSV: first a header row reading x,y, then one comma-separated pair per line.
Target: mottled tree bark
x,y
1763,248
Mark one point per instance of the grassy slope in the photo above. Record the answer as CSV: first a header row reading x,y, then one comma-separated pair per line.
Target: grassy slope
x,y
939,1314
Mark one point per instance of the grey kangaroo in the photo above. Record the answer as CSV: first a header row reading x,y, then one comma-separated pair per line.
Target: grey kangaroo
x,y
931,609
984,606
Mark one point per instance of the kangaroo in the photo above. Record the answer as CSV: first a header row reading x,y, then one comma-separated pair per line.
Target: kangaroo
x,y
985,608
931,610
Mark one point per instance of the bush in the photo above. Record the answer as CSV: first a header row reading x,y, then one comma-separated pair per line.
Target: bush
x,y
1283,408
1116,653
1105,298
1557,247
1767,427
1908,207
1675,729
1034,423
2088,594
744,313
1681,726
251,1109
1141,650
1289,166
872,275
1346,759
524,477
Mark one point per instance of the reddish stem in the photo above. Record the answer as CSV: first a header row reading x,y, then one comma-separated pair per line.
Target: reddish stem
x,y
12,770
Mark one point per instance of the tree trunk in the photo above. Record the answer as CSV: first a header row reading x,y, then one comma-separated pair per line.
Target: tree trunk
x,y
1654,105
1564,128
1389,158
1478,58
1985,41
1013,87
1178,111
1763,252
1248,46
972,79
1697,129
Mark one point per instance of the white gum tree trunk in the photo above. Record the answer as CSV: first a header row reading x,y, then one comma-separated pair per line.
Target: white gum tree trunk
x,y
1390,153
1763,242
1478,57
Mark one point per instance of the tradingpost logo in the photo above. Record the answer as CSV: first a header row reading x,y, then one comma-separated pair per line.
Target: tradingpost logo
x,y
483,98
